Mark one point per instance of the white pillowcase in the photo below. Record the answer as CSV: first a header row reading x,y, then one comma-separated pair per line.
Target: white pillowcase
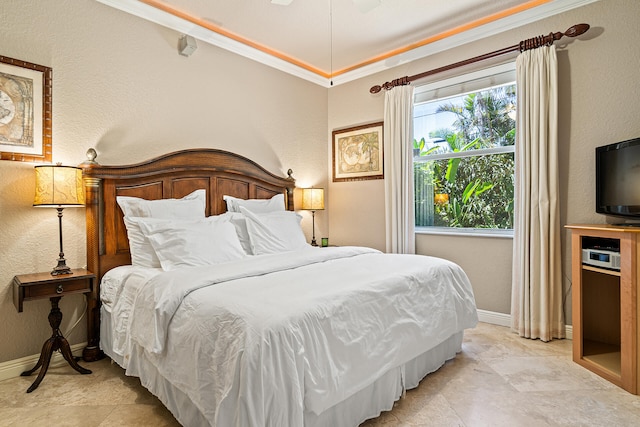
x,y
274,232
274,204
193,243
240,223
142,253
191,206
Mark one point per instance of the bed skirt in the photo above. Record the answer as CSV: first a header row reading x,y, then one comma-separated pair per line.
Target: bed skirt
x,y
365,404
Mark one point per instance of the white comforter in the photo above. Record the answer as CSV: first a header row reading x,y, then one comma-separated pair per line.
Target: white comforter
x,y
256,342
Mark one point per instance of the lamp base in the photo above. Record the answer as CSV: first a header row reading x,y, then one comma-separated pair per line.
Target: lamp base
x,y
61,268
313,228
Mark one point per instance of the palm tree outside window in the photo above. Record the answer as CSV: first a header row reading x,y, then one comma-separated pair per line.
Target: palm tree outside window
x,y
464,154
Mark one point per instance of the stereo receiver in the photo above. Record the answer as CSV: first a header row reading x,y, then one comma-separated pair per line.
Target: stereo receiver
x,y
601,258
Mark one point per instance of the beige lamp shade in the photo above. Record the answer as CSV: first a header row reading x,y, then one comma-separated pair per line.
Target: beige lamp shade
x,y
312,199
58,186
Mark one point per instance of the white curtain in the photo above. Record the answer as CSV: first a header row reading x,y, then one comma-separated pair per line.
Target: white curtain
x,y
536,301
398,170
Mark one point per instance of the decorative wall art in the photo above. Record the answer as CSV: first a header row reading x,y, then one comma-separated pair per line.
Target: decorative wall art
x,y
25,111
357,153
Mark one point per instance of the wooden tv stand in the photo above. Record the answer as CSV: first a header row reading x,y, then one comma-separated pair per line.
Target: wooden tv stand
x,y
605,306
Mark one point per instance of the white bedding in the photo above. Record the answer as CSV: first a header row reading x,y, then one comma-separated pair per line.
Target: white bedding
x,y
261,341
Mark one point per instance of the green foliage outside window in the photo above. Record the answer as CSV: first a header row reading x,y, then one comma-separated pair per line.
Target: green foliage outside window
x,y
474,191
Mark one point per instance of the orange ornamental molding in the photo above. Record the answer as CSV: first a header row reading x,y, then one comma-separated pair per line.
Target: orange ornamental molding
x,y
454,31
209,26
443,35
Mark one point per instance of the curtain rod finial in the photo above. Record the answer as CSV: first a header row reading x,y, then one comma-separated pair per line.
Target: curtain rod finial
x,y
577,30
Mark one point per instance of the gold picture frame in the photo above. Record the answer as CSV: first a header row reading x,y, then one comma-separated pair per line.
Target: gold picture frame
x,y
25,111
358,153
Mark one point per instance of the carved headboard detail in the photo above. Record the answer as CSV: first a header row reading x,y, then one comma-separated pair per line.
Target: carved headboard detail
x,y
172,175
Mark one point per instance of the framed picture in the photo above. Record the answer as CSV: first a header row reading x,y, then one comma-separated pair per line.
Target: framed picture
x,y
25,111
357,153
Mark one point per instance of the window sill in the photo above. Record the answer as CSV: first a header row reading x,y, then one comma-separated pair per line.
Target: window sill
x,y
466,232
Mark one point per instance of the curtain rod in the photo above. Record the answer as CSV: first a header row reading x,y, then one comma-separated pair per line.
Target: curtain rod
x,y
532,43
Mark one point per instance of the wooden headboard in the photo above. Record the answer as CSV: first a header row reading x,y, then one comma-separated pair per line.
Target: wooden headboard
x,y
172,175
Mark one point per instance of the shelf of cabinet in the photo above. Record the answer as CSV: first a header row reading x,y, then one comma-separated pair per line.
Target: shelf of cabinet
x,y
600,270
602,354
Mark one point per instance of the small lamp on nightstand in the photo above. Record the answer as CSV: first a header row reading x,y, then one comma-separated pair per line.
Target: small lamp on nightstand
x,y
312,200
59,187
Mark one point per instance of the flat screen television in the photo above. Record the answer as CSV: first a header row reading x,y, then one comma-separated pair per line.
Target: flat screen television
x,y
618,179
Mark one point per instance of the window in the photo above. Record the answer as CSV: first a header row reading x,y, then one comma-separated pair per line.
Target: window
x,y
464,130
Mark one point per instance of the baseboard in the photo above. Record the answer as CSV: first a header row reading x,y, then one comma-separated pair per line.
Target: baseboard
x,y
505,320
494,318
13,368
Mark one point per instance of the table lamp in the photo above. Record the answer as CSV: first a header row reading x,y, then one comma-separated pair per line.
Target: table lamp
x,y
59,187
312,200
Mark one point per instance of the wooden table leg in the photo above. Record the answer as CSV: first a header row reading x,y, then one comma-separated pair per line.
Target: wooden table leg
x,y
56,342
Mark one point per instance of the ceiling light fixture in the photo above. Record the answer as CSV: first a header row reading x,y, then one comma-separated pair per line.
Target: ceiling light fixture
x,y
282,2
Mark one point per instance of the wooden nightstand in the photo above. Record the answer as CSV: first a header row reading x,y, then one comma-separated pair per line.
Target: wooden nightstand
x,y
43,285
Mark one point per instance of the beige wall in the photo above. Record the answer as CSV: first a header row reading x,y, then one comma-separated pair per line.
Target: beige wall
x,y
598,99
120,86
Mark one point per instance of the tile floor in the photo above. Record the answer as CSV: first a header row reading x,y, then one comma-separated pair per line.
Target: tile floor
x,y
498,379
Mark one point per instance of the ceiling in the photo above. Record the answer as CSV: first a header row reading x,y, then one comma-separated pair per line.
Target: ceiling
x,y
335,41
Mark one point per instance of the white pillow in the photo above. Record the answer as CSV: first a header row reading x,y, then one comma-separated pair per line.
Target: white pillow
x,y
142,253
274,204
274,232
193,243
191,206
240,223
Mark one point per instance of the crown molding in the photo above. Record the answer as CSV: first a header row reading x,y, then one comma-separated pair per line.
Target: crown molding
x,y
152,14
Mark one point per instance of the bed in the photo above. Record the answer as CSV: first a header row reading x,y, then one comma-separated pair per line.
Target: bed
x,y
263,335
